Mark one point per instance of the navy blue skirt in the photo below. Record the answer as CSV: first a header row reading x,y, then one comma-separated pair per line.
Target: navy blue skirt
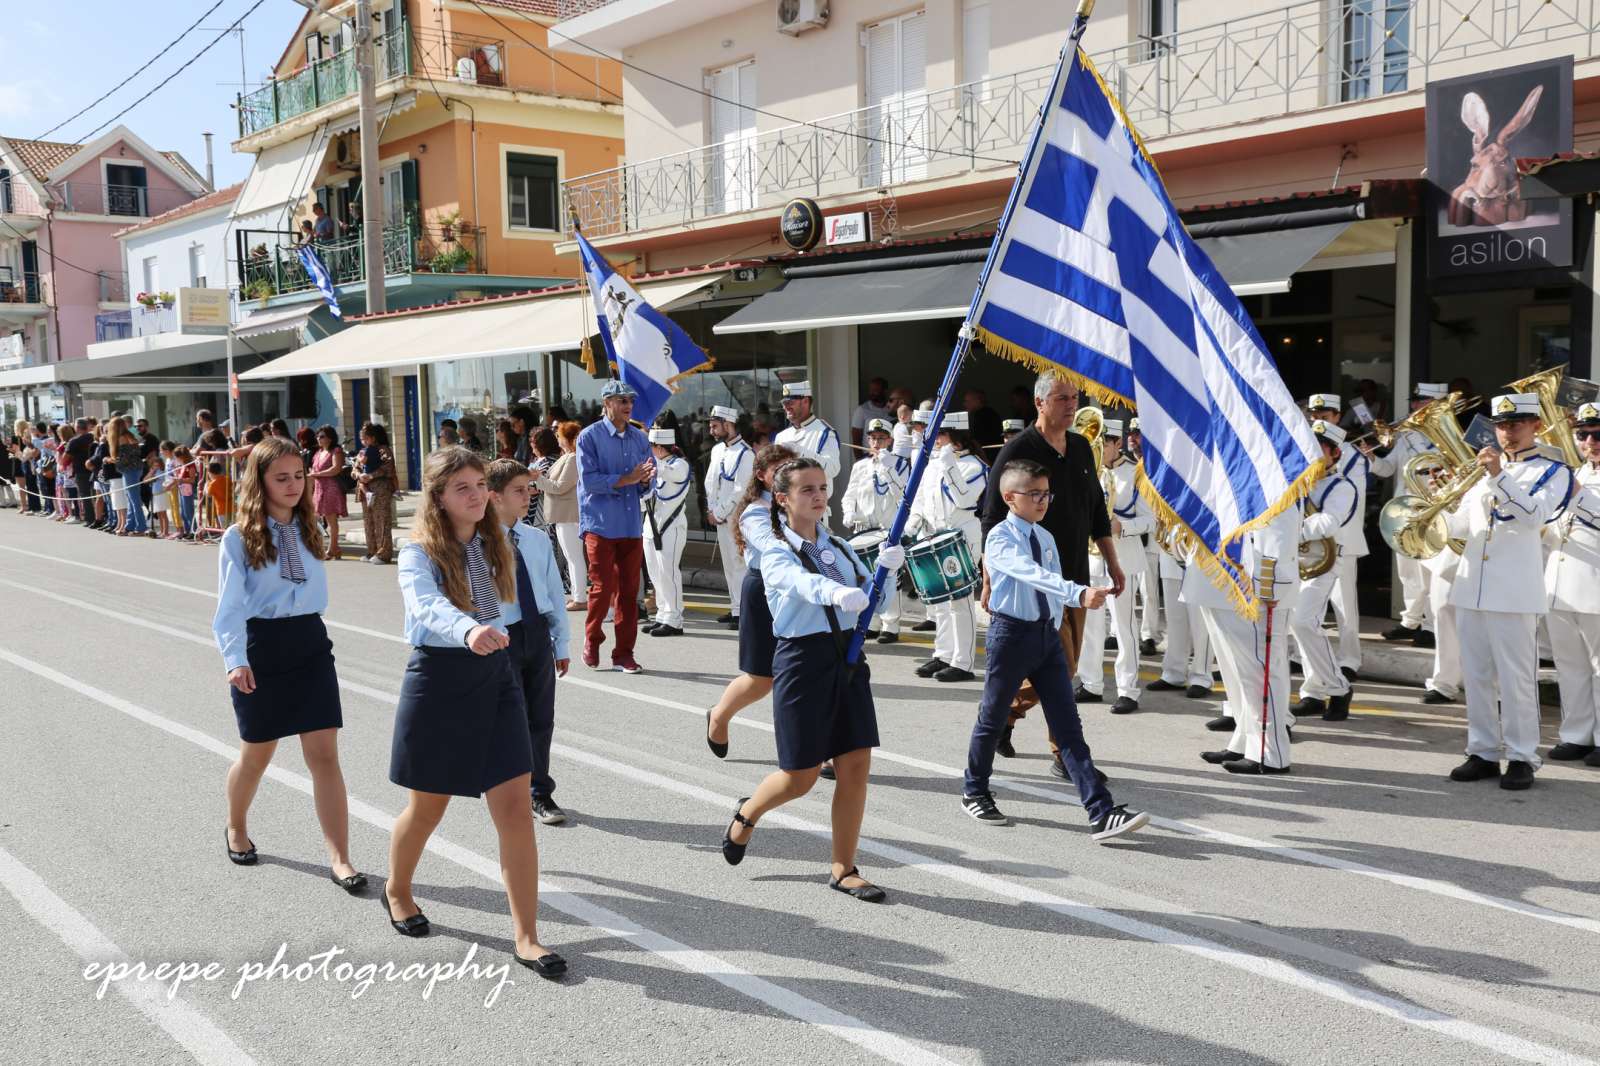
x,y
297,688
819,710
461,727
756,640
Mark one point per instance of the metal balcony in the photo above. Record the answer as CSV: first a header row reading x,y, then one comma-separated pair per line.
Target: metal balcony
x,y
322,82
1291,60
21,291
270,266
130,201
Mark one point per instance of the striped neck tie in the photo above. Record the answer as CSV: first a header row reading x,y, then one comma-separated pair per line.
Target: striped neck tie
x,y
827,563
485,598
290,566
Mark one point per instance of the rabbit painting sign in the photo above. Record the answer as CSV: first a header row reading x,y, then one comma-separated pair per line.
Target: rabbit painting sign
x,y
1478,127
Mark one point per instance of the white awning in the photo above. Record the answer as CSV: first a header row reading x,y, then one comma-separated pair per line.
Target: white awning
x,y
282,175
518,327
284,320
117,359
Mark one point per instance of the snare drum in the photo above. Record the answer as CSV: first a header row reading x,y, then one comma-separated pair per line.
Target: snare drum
x,y
941,567
867,544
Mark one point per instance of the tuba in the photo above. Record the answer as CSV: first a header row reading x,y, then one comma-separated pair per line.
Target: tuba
x,y
1414,524
1557,431
1317,556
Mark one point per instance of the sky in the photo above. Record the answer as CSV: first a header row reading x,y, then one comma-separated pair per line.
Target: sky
x,y
60,56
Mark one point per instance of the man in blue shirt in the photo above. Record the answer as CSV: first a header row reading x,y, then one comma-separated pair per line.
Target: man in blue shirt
x,y
615,471
1027,595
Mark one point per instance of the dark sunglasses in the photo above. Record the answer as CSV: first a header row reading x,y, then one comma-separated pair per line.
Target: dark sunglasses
x,y
1588,434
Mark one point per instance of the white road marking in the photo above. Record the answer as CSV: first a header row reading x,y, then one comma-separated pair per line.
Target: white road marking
x,y
198,1035
1433,886
702,963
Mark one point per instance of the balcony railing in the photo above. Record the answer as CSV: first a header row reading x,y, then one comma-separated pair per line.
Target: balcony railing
x,y
20,287
132,201
271,266
113,326
1294,59
322,82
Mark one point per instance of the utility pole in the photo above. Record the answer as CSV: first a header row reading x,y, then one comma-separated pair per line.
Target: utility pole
x,y
371,202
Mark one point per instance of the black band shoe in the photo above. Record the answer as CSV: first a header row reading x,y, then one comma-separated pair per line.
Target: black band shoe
x,y
549,965
239,858
355,884
734,853
719,750
866,893
416,925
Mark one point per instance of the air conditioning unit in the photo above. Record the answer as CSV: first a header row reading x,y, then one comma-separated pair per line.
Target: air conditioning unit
x,y
797,16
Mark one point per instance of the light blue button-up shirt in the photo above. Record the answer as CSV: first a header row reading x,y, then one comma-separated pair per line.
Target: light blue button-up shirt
x,y
534,544
1014,577
755,526
430,618
244,593
795,595
605,455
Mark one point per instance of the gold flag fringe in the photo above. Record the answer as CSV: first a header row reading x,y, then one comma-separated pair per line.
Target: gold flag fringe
x,y
1217,569
1013,352
1088,64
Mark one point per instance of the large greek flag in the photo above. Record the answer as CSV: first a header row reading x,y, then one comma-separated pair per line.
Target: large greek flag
x,y
1094,273
650,350
318,270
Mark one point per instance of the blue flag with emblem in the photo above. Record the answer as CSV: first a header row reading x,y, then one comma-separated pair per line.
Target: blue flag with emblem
x,y
318,271
651,352
1093,273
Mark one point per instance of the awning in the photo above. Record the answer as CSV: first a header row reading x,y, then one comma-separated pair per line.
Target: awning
x,y
284,320
859,299
282,175
1263,262
117,359
514,327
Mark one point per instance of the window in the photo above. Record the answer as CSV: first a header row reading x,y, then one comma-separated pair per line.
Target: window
x,y
897,74
152,274
733,132
1375,47
197,266
974,40
532,182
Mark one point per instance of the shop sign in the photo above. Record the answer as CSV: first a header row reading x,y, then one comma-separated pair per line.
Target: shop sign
x,y
800,225
203,311
1478,126
853,228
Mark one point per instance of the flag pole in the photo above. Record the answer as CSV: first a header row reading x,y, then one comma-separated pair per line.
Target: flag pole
x,y
958,355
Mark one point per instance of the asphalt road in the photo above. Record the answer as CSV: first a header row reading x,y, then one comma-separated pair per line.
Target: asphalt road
x,y
1360,910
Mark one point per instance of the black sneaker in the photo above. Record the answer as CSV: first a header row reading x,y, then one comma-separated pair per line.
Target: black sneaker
x,y
1592,759
1401,633
1435,697
1119,822
1518,776
546,811
1476,769
1005,749
931,667
1568,752
1423,639
1083,695
1147,647
982,808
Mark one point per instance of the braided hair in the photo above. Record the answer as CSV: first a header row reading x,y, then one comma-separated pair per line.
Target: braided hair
x,y
771,456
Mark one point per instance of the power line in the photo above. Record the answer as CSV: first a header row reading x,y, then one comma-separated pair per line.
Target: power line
x,y
144,67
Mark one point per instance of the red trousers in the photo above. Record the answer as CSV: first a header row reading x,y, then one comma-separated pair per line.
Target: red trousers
x,y
614,568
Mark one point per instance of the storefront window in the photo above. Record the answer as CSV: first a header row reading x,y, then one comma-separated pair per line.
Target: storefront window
x,y
484,390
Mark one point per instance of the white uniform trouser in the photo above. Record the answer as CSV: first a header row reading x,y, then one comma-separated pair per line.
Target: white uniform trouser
x,y
666,574
1092,656
1499,663
1323,679
1415,611
571,542
955,634
732,564
887,620
1240,647
1346,613
1151,594
1121,607
1446,678
1186,636
1575,640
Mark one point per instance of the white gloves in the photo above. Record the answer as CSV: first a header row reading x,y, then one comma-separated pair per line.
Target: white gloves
x,y
849,599
892,557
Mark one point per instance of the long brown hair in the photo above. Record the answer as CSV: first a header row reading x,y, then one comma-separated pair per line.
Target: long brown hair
x,y
114,431
767,458
259,550
435,535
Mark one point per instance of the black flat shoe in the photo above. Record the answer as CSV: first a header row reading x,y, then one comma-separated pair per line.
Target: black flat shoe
x,y
1198,692
355,884
734,853
1162,685
239,858
826,772
1221,724
549,965
868,893
719,750
416,925
1250,766
888,638
1217,758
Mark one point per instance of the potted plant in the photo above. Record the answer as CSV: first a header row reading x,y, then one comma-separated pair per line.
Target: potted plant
x,y
260,289
453,260
447,225
167,299
147,300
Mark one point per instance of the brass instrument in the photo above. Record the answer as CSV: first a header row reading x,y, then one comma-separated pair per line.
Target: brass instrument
x,y
1557,430
1090,423
1414,524
1317,556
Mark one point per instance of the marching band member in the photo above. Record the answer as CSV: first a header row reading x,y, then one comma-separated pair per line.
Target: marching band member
x,y
271,592
1186,662
1152,616
1010,428
668,525
1270,558
461,728
1572,581
877,485
1499,592
1325,690
807,434
1443,685
1027,595
1417,611
1130,519
1355,465
535,622
727,474
948,498
821,706
752,530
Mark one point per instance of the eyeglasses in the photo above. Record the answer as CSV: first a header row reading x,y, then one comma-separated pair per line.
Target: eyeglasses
x,y
1042,496
1588,434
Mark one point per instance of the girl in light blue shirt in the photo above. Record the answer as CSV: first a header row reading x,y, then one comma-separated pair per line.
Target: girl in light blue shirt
x,y
271,592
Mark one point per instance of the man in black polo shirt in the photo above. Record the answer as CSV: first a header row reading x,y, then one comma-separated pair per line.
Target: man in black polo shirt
x,y
1076,516
80,448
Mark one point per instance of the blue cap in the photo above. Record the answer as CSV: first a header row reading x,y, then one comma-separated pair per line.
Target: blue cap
x,y
616,387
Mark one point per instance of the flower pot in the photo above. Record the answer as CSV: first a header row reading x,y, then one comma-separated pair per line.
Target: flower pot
x,y
447,232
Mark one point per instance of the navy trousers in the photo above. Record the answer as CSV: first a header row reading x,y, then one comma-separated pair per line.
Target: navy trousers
x,y
533,661
1021,651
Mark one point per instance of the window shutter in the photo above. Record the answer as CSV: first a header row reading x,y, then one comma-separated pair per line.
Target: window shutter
x,y
883,79
411,198
913,53
975,40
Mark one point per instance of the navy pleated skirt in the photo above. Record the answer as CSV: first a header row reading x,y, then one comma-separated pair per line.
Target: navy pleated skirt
x,y
461,727
819,709
756,640
297,688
